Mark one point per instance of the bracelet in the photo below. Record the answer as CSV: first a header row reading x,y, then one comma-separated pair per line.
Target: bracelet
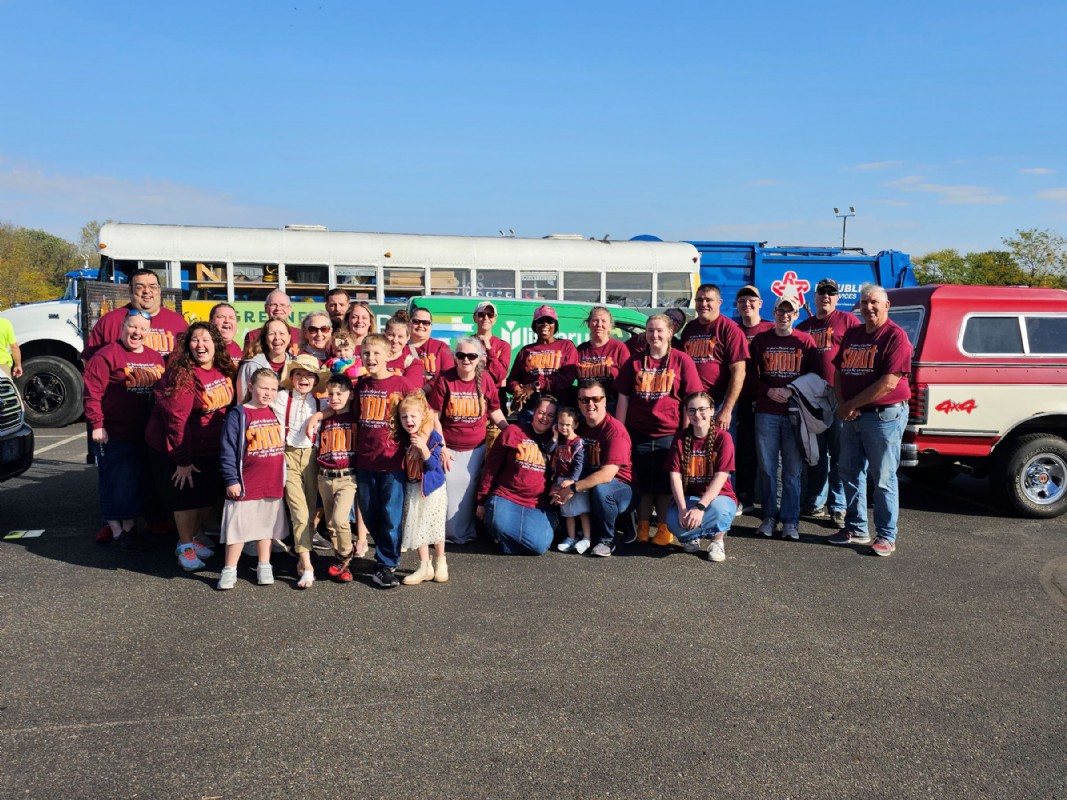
x,y
701,506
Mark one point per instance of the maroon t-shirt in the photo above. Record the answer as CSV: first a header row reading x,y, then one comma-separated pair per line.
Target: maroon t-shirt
x,y
236,353
464,410
713,348
411,374
607,443
602,362
164,329
337,438
866,357
263,461
748,389
517,467
657,387
827,334
711,454
436,358
118,390
551,367
373,402
779,361
296,338
188,422
497,359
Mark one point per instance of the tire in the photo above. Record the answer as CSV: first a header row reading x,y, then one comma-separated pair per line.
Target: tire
x,y
1032,475
52,391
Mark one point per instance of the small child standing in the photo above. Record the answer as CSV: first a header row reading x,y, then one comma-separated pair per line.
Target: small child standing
x,y
337,471
252,463
568,461
425,501
345,360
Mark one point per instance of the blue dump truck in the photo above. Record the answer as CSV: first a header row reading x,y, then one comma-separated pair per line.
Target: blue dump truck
x,y
796,270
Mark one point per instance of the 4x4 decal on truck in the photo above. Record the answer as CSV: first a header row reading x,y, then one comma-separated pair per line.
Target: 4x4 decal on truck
x,y
948,406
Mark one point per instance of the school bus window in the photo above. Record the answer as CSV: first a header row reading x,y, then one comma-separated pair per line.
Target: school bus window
x,y
675,289
254,281
203,280
540,285
632,289
402,284
582,287
496,283
308,281
361,283
450,281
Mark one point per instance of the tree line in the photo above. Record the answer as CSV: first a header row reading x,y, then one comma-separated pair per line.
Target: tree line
x,y
33,263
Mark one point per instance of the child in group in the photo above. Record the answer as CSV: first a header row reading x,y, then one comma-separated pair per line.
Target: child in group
x,y
252,463
425,502
345,361
568,461
337,470
700,462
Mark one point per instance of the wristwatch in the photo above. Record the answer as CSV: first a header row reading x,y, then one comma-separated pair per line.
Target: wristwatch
x,y
701,506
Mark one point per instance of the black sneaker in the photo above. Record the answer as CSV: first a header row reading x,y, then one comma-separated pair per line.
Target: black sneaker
x,y
385,578
626,528
132,541
817,513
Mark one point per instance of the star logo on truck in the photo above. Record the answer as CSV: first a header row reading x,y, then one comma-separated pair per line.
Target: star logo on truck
x,y
790,286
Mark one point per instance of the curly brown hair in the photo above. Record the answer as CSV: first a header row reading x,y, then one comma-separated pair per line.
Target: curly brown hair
x,y
179,373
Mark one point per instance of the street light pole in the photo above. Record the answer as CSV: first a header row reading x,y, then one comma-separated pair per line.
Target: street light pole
x,y
844,222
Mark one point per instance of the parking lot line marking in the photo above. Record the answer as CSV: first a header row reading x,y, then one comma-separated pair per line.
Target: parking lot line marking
x,y
58,444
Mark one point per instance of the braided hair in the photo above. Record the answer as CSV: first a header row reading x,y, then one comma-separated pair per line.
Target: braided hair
x,y
479,369
689,435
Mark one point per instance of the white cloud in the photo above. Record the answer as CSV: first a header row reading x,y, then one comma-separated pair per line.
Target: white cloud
x,y
950,194
1037,171
757,184
64,202
870,166
1058,195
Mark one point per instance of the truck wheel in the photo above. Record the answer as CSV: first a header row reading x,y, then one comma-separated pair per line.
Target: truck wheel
x,y
1034,475
52,391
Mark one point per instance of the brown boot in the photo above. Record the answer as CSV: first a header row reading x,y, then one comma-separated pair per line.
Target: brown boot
x,y
642,532
663,536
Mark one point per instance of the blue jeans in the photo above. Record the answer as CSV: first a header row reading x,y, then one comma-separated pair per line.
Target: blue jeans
x,y
518,529
606,502
717,519
824,480
775,440
381,499
119,465
872,442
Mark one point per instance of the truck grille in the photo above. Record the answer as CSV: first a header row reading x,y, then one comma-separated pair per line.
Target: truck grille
x,y
10,407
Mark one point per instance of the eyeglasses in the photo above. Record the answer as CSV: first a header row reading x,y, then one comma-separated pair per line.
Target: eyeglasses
x,y
422,322
588,401
136,312
466,356
785,311
313,329
701,410
146,287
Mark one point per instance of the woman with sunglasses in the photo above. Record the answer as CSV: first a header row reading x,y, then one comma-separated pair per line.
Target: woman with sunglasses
x,y
318,331
435,355
651,387
118,400
700,462
268,349
513,491
464,397
497,358
547,365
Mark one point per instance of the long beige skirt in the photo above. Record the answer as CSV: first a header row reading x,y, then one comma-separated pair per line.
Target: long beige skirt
x,y
252,520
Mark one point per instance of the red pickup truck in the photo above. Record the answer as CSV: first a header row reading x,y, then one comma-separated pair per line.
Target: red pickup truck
x,y
989,389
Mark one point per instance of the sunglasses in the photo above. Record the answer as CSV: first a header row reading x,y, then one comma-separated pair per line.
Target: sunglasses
x,y
136,312
421,322
588,401
485,314
313,329
466,356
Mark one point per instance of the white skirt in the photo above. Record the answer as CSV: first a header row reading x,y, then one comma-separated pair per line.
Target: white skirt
x,y
252,520
424,517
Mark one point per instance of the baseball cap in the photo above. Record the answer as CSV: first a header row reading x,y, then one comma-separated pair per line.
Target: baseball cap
x,y
787,300
748,291
545,311
485,305
826,286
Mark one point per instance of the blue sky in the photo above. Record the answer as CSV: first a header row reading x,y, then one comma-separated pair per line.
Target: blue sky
x,y
943,123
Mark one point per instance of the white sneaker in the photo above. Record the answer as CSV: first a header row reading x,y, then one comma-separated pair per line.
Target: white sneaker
x,y
264,574
306,579
582,546
739,511
716,551
767,527
790,532
567,544
692,546
228,578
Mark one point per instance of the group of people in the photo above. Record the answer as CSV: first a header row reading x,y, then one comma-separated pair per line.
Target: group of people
x,y
397,437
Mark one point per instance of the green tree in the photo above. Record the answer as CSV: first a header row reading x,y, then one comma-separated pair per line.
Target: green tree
x,y
28,261
989,268
88,248
1041,256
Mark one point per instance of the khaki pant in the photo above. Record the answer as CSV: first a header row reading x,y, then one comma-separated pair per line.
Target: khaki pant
x,y
338,497
301,492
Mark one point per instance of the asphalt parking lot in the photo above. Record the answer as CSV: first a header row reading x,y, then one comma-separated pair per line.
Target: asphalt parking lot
x,y
794,669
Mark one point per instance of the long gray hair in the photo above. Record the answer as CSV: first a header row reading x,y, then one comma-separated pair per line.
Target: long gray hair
x,y
479,366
